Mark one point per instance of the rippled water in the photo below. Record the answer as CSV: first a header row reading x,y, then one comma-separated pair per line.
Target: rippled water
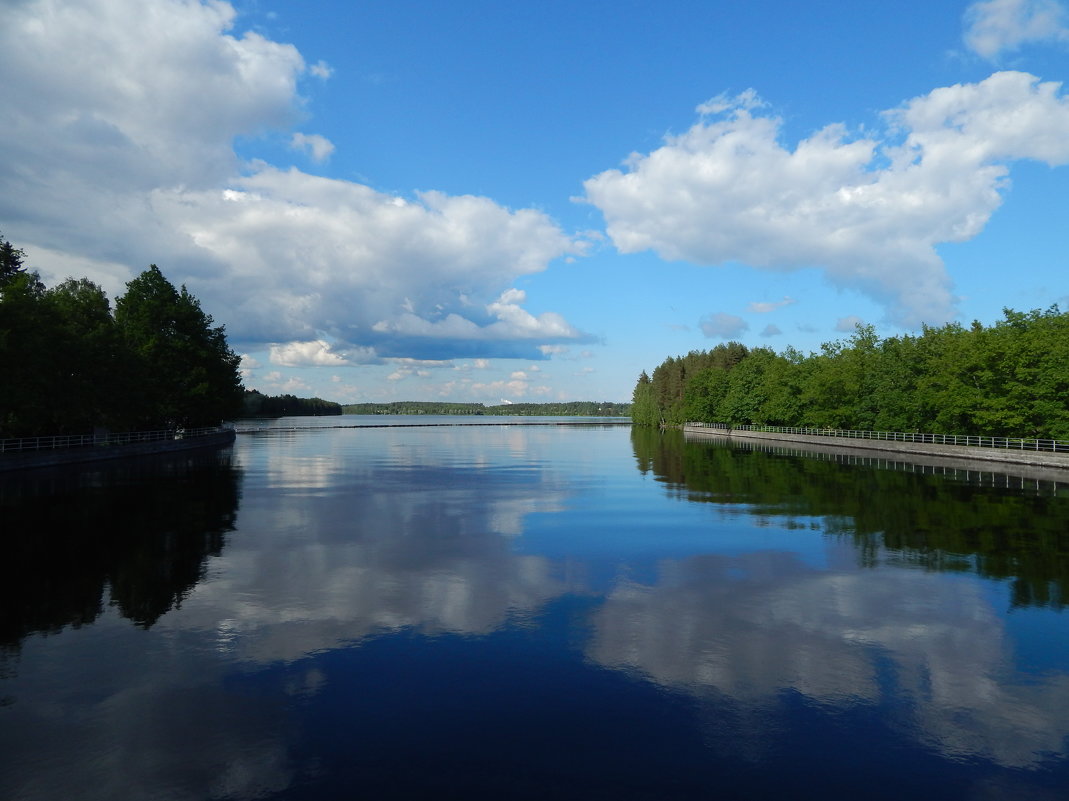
x,y
530,612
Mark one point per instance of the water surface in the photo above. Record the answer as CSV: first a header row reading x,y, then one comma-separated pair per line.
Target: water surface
x,y
529,612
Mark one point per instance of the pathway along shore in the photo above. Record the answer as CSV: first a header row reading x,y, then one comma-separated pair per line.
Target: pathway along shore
x,y
31,460
962,455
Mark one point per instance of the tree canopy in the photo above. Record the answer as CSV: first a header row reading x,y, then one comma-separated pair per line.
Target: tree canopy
x,y
256,404
1009,379
71,364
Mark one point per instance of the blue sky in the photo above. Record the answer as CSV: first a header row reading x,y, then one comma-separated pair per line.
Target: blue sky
x,y
485,201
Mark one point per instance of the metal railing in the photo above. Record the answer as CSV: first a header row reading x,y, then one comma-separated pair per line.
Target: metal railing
x,y
66,441
1006,443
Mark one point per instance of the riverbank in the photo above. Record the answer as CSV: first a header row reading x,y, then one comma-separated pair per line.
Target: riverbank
x,y
30,460
958,453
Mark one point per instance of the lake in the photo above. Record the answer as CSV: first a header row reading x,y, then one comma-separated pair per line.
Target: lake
x,y
542,612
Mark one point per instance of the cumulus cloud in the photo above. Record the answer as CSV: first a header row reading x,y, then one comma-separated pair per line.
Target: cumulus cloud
x,y
334,256
849,323
766,307
508,327
276,382
316,146
771,331
516,387
247,365
995,26
868,210
306,354
724,326
117,145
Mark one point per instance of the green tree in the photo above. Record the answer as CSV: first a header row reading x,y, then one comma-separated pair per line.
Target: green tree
x,y
643,406
11,260
190,373
94,366
27,355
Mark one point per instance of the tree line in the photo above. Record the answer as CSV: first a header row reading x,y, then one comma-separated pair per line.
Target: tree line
x,y
1008,379
563,409
69,363
256,404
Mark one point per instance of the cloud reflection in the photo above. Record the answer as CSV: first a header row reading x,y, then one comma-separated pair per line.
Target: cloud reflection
x,y
752,626
419,537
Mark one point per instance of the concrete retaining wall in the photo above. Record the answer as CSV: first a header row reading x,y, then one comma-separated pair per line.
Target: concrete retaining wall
x,y
52,458
961,453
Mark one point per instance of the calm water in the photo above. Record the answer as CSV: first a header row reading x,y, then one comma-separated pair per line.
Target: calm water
x,y
530,612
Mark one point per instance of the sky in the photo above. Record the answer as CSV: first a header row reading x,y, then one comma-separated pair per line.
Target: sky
x,y
478,201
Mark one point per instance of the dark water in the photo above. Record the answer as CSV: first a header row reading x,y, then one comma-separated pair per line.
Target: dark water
x,y
520,612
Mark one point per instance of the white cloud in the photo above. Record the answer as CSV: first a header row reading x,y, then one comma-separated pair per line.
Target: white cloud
x,y
724,102
515,387
133,94
116,144
421,368
724,326
771,331
849,323
275,382
512,323
318,147
995,26
321,70
764,307
422,363
306,354
334,256
869,211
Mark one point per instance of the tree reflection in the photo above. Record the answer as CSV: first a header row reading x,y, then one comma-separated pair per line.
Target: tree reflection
x,y
139,532
934,521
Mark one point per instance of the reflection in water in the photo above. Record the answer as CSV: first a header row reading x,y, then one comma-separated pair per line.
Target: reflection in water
x,y
923,520
753,626
520,613
413,536
143,530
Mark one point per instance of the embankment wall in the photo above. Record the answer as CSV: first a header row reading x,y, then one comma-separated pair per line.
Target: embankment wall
x,y
958,453
52,458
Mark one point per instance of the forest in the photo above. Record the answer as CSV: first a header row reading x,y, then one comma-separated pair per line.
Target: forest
x,y
1008,379
563,409
72,364
256,404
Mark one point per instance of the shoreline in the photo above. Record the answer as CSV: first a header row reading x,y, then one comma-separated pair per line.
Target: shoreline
x,y
33,460
1028,463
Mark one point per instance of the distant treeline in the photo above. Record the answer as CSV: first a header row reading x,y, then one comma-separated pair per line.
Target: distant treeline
x,y
569,409
257,404
1010,379
70,363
